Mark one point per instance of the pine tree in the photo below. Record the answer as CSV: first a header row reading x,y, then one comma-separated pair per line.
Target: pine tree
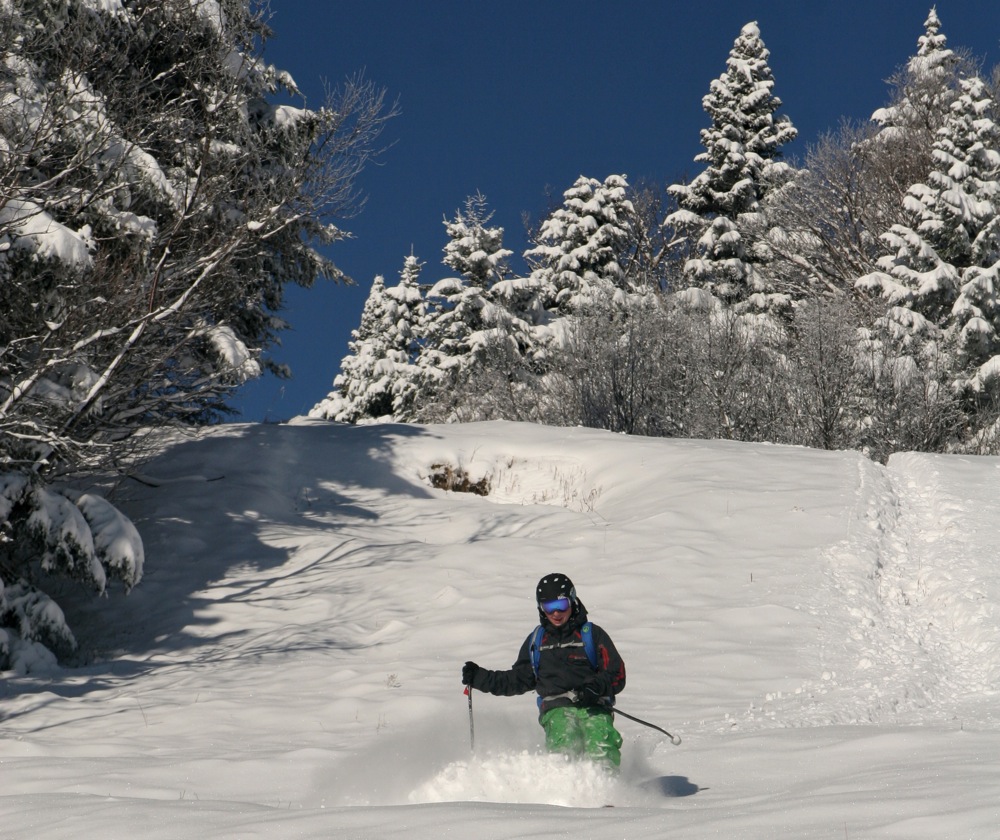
x,y
405,337
408,317
462,314
942,274
742,157
968,152
823,228
363,387
577,250
925,89
378,377
474,249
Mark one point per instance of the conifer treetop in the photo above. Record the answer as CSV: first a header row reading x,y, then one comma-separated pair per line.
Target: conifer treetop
x,y
746,135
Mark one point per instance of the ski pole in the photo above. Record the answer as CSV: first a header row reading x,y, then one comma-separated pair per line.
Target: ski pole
x,y
674,739
472,725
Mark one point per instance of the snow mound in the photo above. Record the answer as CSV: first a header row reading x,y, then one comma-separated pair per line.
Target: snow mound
x,y
527,778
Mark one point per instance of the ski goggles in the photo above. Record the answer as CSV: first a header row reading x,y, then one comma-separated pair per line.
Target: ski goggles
x,y
558,605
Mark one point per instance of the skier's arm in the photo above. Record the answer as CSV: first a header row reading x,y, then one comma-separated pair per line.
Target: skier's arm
x,y
519,679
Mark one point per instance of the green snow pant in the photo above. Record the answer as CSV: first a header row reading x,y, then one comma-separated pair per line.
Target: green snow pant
x,y
583,731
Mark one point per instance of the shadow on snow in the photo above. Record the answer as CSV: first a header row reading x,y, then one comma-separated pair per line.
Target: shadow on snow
x,y
262,508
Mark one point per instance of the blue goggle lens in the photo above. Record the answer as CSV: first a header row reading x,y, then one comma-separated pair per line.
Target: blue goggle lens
x,y
558,605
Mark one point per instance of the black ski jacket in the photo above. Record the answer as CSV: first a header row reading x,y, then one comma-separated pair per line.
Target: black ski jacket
x,y
563,666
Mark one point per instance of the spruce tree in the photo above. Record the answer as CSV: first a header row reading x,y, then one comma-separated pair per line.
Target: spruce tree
x,y
363,387
475,249
968,181
577,250
462,314
942,274
925,89
742,157
377,378
405,337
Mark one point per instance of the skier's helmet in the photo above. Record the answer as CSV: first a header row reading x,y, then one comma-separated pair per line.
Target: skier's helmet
x,y
554,586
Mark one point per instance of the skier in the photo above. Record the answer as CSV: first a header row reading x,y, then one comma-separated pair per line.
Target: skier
x,y
576,677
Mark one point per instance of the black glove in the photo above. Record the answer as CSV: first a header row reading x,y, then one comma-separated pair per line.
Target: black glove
x,y
594,690
469,671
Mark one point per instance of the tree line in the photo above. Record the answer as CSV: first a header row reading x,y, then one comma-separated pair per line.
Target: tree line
x,y
849,301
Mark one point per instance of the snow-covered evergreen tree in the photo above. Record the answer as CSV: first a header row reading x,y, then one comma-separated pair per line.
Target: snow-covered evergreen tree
x,y
958,207
363,387
576,266
475,249
576,253
463,315
742,164
925,89
154,176
969,182
410,308
943,269
405,337
823,228
378,378
46,532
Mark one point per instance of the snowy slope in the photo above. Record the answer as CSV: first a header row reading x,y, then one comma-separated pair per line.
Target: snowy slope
x,y
820,630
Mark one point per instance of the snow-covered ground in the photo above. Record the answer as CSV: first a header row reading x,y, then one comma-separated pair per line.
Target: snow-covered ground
x,y
821,631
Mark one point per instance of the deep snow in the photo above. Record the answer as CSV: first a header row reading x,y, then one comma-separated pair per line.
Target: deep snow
x,y
821,631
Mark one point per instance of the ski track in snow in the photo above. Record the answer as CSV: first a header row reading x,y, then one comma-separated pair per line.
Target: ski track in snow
x,y
910,636
926,583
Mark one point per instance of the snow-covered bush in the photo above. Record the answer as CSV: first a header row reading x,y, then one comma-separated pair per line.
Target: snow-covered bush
x,y
46,532
36,630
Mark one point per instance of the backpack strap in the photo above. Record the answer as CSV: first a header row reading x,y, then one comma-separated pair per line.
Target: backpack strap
x,y
589,645
536,648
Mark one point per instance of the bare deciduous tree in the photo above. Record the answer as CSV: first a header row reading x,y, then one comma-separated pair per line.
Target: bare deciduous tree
x,y
823,228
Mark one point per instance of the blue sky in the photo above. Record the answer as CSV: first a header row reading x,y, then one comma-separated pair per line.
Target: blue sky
x,y
517,99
